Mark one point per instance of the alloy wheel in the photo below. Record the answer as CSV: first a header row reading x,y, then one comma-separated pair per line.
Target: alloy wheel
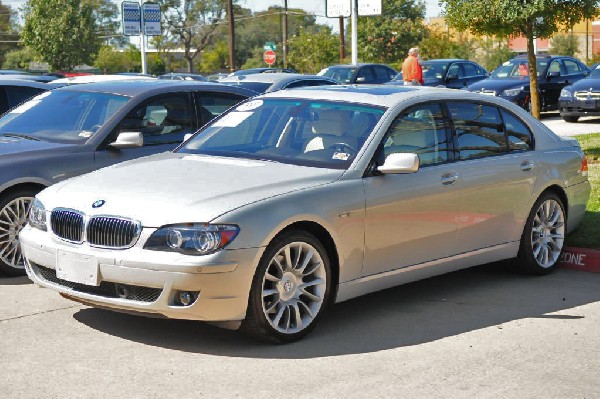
x,y
13,217
548,233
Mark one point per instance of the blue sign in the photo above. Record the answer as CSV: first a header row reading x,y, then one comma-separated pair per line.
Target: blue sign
x,y
132,18
151,18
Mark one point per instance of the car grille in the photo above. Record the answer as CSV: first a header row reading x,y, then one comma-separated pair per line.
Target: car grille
x,y
587,95
105,289
67,224
101,231
112,232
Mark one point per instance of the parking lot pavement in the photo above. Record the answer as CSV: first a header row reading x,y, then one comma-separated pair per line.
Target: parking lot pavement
x,y
482,332
587,124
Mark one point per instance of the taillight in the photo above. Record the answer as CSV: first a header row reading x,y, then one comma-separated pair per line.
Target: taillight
x,y
584,166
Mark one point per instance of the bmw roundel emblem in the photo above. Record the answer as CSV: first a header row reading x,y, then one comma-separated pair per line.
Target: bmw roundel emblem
x,y
98,204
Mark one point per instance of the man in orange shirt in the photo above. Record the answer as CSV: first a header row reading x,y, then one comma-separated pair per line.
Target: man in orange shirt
x,y
412,74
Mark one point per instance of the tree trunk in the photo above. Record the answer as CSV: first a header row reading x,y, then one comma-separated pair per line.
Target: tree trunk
x,y
190,62
533,81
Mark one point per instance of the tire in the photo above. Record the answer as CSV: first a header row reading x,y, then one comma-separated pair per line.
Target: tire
x,y
290,289
14,208
543,236
571,119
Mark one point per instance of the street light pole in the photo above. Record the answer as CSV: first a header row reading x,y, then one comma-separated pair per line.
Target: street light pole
x,y
231,36
285,33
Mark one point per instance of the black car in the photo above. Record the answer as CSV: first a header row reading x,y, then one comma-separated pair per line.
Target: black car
x,y
360,73
77,129
452,73
268,82
511,80
251,71
582,98
183,76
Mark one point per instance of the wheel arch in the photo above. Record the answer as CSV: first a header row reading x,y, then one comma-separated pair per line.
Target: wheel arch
x,y
22,186
560,192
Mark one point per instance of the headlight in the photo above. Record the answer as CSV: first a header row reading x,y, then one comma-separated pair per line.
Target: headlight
x,y
37,215
192,238
566,93
512,92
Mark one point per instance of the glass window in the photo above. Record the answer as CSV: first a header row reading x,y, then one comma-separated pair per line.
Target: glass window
x,y
420,130
519,135
214,104
15,95
471,70
365,75
479,129
554,67
572,67
162,119
455,70
382,74
316,133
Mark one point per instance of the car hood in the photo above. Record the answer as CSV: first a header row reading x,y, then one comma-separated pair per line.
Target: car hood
x,y
178,188
17,145
586,84
498,85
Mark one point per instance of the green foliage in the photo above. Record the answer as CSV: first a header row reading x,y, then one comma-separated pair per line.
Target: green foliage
x,y
444,45
108,21
565,45
62,32
387,38
216,58
19,59
111,60
311,52
8,32
492,53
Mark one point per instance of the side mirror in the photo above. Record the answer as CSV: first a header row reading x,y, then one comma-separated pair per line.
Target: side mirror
x,y
128,140
451,77
360,80
553,74
400,163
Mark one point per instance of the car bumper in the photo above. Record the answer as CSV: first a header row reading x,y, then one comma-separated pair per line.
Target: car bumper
x,y
151,280
579,107
578,195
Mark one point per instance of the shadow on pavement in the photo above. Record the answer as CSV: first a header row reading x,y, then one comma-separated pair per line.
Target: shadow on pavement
x,y
407,315
11,280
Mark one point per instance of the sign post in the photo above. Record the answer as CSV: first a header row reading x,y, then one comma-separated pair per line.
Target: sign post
x,y
143,20
269,57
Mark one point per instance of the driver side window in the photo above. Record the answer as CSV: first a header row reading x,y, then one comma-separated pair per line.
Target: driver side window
x,y
420,130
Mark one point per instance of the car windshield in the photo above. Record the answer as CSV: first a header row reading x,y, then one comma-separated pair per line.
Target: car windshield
x,y
62,116
515,69
316,133
434,70
258,87
344,75
595,73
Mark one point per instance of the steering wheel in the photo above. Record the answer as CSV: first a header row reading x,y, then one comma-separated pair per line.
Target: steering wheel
x,y
341,147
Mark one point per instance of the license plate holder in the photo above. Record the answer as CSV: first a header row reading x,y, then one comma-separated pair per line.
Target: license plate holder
x,y
589,104
77,268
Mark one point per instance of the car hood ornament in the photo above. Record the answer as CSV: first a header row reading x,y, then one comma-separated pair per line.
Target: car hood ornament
x,y
98,204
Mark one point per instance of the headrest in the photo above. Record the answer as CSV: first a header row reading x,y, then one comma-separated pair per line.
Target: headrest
x,y
335,122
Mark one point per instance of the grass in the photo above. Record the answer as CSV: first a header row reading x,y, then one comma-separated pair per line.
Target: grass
x,y
587,234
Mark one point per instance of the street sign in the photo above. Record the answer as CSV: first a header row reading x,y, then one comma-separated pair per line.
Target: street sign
x,y
270,46
151,18
343,8
131,18
269,57
369,7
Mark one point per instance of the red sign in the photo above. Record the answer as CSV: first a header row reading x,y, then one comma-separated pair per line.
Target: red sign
x,y
269,57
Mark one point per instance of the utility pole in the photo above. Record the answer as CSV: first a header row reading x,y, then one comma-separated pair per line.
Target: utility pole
x,y
231,36
285,33
342,40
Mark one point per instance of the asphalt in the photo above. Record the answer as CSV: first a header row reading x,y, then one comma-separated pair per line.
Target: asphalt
x,y
585,125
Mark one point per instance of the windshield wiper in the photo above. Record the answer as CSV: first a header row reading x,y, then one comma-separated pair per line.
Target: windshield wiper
x,y
23,136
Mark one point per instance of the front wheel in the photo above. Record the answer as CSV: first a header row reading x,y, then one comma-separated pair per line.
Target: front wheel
x,y
290,288
14,208
571,119
543,237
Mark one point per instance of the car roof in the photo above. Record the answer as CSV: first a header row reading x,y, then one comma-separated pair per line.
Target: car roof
x,y
136,87
270,77
357,65
23,82
446,60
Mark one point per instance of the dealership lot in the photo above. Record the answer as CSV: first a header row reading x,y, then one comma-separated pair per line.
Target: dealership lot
x,y
483,331
588,124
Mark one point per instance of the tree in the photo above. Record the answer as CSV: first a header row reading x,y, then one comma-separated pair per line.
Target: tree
x,y
565,45
8,31
62,32
18,59
313,51
387,38
190,24
444,45
108,21
493,53
529,18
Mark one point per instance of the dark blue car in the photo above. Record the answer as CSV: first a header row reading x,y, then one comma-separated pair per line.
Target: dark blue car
x,y
452,73
582,98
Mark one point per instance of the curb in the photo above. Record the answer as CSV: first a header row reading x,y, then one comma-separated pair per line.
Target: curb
x,y
583,259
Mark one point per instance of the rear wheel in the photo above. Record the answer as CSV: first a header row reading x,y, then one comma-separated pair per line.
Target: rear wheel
x,y
290,289
572,119
543,237
14,208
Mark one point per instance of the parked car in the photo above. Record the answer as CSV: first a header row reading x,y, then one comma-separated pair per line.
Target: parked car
x,y
81,128
15,91
582,98
183,76
251,71
298,199
451,73
511,80
360,73
80,79
32,77
267,82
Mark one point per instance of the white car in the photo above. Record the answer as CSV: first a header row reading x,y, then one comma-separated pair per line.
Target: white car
x,y
298,199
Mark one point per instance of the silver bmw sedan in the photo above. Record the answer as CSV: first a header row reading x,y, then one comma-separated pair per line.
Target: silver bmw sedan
x,y
298,199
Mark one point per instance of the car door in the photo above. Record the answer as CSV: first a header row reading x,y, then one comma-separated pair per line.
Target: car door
x,y
455,76
496,173
472,73
553,83
163,120
365,75
412,218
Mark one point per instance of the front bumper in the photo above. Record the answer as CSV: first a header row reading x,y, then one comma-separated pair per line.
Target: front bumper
x,y
151,279
579,107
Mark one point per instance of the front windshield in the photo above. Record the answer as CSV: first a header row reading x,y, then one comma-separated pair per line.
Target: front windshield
x,y
317,133
434,70
595,73
518,69
343,75
62,116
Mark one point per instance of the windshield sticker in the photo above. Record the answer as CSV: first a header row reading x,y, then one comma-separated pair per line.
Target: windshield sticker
x,y
86,134
232,119
25,106
342,156
250,105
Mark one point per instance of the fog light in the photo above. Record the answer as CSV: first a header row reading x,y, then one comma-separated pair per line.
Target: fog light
x,y
186,298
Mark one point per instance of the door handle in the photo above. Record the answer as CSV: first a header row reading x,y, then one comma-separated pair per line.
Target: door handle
x,y
449,178
527,166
